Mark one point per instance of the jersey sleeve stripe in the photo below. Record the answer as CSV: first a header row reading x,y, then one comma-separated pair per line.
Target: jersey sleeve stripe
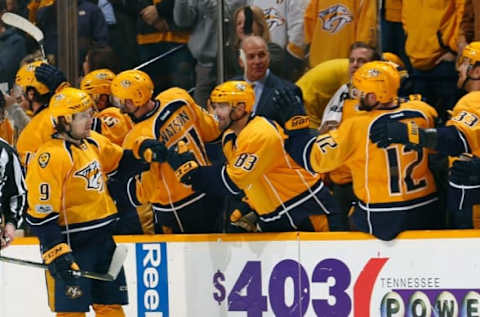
x,y
229,184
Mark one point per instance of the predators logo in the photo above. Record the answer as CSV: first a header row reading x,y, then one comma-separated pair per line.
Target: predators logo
x,y
43,159
93,175
73,292
273,18
335,17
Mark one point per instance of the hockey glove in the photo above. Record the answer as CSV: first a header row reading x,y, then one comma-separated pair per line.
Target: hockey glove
x,y
150,150
184,165
466,171
61,263
289,109
386,132
51,77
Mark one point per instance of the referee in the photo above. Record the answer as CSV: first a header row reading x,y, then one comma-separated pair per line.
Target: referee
x,y
12,190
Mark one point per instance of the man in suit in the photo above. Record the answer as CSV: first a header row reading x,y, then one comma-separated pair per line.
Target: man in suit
x,y
255,61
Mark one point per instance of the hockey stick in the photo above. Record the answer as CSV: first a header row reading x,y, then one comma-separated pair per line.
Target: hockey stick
x,y
26,26
176,48
115,265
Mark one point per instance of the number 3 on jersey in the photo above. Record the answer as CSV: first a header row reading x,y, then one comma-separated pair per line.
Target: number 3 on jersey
x,y
246,161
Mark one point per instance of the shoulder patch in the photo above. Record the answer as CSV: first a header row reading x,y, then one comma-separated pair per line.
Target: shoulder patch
x,y
43,159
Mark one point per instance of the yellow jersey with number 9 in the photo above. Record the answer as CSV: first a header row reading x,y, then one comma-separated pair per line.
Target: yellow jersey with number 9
x,y
68,181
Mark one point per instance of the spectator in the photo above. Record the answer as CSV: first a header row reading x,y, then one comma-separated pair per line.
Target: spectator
x,y
393,35
431,47
256,63
12,50
330,27
201,17
100,57
360,53
121,32
255,24
92,27
285,20
157,35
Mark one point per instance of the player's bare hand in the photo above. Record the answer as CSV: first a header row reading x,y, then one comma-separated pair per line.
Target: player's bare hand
x,y
446,57
149,14
161,25
7,235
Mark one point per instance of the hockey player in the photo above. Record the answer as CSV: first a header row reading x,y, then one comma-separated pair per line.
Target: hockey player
x,y
70,209
43,80
285,196
394,186
108,121
460,135
172,117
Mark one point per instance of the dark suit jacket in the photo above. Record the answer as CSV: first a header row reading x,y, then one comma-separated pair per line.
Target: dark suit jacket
x,y
272,82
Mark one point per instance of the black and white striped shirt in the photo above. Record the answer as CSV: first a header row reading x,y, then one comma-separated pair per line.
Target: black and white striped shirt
x,y
13,194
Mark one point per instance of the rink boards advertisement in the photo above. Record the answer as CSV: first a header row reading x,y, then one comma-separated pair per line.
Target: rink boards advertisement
x,y
285,274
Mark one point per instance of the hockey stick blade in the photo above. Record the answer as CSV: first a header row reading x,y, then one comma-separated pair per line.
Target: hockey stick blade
x,y
26,26
118,258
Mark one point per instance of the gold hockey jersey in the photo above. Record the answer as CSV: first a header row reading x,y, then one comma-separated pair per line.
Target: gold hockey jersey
x,y
36,133
113,124
7,132
178,118
331,26
258,164
395,176
343,175
432,35
465,117
67,183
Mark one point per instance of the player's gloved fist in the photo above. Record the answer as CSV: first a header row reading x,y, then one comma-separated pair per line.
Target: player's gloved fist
x,y
289,109
152,150
466,171
386,132
51,77
61,263
184,165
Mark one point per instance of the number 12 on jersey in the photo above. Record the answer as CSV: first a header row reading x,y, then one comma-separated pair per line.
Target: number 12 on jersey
x,y
401,164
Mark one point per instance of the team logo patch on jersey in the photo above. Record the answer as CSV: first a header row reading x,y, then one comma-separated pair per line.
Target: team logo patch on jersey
x,y
43,159
93,175
335,17
273,18
73,292
43,209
